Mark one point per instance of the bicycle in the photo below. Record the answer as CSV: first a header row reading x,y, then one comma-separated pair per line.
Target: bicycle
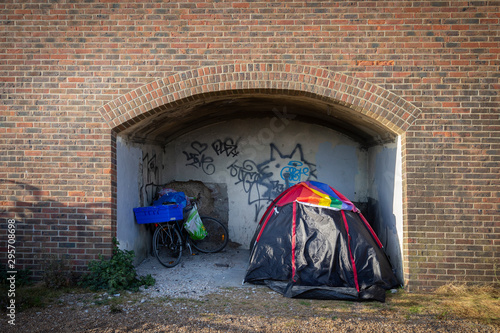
x,y
170,238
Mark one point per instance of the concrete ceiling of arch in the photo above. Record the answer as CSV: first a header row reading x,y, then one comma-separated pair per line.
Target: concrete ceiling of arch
x,y
170,123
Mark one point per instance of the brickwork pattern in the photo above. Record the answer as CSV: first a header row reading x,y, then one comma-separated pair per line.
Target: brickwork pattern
x,y
73,72
361,96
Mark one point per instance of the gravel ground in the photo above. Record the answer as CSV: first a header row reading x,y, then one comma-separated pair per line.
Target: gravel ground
x,y
204,293
197,275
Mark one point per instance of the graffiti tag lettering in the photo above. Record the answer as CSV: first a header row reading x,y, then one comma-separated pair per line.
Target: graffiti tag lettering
x,y
261,182
228,147
150,177
293,172
256,183
198,159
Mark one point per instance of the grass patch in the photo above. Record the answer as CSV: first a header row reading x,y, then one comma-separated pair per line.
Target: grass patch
x,y
40,296
473,302
36,296
477,303
415,309
305,303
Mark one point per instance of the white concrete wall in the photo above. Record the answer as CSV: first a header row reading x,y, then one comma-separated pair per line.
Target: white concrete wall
x,y
252,157
386,191
136,167
344,167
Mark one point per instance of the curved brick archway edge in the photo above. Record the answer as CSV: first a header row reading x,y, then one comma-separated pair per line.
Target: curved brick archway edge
x,y
379,104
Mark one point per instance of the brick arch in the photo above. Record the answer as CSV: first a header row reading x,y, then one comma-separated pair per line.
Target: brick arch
x,y
377,103
364,98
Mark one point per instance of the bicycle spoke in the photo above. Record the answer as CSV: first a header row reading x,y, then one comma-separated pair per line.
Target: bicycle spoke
x,y
167,245
216,238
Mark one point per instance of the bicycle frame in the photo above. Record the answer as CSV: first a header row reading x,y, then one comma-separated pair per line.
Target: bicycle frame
x,y
170,238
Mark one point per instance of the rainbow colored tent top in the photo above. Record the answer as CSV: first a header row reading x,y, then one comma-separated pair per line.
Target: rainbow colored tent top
x,y
318,194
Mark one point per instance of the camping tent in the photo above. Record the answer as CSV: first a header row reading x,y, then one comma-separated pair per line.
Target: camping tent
x,y
312,242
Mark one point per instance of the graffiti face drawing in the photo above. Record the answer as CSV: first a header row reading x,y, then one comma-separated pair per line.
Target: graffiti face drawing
x,y
265,181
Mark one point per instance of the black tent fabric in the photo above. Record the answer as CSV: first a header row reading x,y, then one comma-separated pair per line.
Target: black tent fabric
x,y
306,250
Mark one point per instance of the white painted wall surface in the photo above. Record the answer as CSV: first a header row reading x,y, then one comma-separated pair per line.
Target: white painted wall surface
x,y
386,188
252,156
131,173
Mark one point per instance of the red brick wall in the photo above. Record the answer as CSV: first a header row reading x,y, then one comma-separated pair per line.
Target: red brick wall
x,y
61,63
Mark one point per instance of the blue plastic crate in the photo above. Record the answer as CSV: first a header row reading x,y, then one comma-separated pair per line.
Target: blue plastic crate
x,y
158,214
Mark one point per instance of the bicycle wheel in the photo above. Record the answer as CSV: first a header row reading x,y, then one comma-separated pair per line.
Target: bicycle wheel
x,y
167,245
216,238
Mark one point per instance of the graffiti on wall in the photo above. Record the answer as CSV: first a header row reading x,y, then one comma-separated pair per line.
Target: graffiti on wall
x,y
265,181
293,167
261,181
227,147
150,177
256,182
292,173
197,157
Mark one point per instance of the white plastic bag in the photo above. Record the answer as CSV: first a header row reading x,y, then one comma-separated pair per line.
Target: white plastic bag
x,y
194,225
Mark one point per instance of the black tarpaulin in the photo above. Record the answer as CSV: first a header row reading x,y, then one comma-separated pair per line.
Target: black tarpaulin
x,y
305,250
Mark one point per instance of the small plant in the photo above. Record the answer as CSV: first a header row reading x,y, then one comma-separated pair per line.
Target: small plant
x,y
57,273
305,303
117,273
443,315
114,308
416,309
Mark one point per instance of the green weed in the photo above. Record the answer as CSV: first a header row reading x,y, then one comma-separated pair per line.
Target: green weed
x,y
117,273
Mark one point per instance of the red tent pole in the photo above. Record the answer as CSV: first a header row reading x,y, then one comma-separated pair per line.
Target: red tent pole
x,y
354,270
267,214
369,227
294,239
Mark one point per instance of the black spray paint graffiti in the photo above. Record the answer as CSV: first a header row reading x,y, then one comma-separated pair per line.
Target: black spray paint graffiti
x,y
229,147
259,180
256,182
150,177
198,159
198,156
293,168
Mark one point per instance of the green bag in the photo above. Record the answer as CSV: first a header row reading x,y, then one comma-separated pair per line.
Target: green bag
x,y
194,225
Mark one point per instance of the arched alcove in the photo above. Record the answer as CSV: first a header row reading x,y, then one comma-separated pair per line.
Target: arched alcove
x,y
337,127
